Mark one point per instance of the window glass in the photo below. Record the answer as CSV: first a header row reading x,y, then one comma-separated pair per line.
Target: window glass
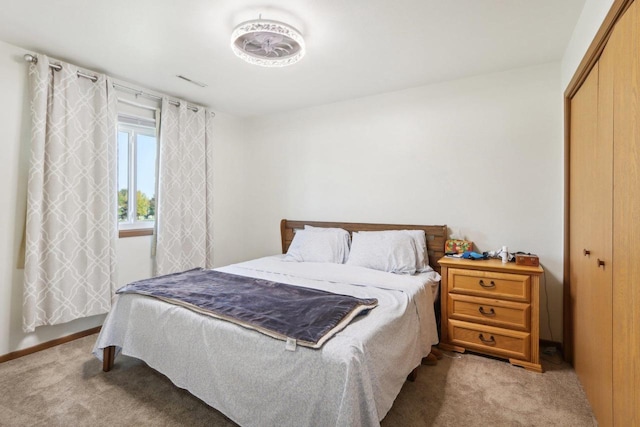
x,y
146,177
137,148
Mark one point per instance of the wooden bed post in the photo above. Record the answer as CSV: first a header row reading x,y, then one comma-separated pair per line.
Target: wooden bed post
x,y
413,375
108,356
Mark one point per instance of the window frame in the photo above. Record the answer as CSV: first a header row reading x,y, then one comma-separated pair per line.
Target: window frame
x,y
134,126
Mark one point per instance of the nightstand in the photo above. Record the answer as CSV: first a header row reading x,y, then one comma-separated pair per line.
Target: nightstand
x,y
493,308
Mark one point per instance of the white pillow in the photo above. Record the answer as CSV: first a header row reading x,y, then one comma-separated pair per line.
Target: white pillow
x,y
313,246
391,251
422,257
340,231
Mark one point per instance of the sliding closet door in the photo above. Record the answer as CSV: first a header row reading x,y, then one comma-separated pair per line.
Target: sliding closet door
x,y
626,230
590,235
584,117
600,263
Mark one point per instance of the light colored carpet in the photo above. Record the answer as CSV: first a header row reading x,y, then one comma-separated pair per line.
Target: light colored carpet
x,y
65,386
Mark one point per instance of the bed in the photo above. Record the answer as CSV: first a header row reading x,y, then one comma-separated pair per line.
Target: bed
x,y
352,379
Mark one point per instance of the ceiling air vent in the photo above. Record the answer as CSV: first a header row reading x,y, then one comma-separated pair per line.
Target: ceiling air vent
x,y
195,82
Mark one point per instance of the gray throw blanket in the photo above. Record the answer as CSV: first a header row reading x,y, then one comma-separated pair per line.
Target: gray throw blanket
x,y
286,312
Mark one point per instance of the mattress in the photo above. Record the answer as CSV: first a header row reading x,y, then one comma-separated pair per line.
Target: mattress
x,y
255,379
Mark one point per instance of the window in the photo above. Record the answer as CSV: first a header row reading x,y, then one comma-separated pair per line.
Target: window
x,y
137,152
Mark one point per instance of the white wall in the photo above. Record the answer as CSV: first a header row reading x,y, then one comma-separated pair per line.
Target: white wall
x,y
134,254
591,18
483,155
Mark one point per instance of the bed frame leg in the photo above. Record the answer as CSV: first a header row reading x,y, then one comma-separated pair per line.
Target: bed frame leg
x,y
436,352
413,375
108,356
431,360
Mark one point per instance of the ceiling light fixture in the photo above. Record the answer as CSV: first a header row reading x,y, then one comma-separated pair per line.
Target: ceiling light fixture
x,y
267,43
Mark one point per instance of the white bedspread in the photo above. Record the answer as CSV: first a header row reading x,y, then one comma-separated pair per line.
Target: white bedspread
x,y
352,380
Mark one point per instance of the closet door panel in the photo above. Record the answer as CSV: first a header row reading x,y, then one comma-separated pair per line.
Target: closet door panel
x,y
584,116
590,236
601,260
583,128
626,219
583,132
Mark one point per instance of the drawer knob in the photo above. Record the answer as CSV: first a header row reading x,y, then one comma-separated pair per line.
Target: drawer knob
x,y
492,284
490,341
491,311
600,263
586,252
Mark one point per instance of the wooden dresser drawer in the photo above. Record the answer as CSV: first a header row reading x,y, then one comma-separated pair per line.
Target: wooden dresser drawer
x,y
489,339
506,314
515,287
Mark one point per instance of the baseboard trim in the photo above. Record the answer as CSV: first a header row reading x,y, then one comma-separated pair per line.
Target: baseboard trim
x,y
48,344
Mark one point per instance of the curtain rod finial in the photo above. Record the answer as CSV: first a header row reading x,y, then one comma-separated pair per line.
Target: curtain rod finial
x,y
30,58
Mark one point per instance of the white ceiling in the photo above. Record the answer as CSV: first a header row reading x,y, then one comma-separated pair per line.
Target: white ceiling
x,y
354,47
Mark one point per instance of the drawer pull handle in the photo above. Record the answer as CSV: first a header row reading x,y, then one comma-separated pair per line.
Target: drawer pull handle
x,y
490,341
600,263
490,285
586,252
491,311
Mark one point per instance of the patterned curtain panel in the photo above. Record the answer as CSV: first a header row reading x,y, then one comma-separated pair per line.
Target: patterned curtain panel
x,y
185,184
71,200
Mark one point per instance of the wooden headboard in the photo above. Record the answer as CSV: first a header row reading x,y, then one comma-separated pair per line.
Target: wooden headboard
x,y
436,234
